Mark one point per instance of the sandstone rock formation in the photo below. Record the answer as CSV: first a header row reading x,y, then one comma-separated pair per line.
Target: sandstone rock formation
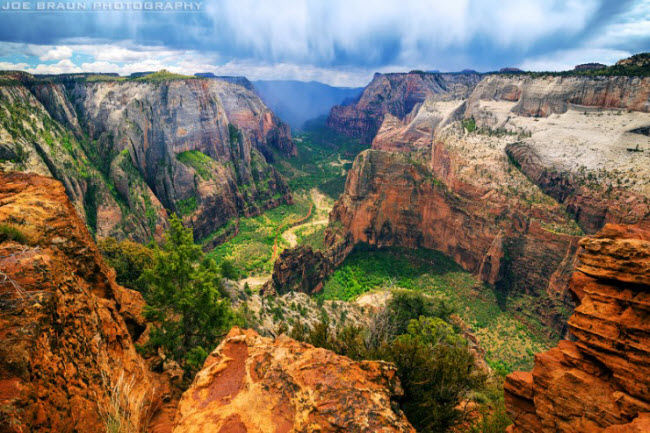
x,y
543,96
392,200
600,382
254,384
129,151
67,329
397,95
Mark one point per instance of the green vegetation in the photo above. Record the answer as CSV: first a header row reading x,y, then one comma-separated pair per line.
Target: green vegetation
x,y
434,363
187,206
185,299
102,78
10,232
252,249
164,75
199,161
324,157
312,236
508,343
129,259
228,270
469,124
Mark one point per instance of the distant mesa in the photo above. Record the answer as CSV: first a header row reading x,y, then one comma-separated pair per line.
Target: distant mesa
x,y
589,67
469,71
511,71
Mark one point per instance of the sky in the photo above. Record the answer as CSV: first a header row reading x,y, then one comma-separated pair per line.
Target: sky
x,y
338,42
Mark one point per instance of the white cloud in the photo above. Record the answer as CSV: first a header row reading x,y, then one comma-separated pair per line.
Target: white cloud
x,y
57,53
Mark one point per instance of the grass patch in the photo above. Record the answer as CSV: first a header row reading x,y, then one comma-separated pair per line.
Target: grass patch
x,y
199,161
10,232
509,344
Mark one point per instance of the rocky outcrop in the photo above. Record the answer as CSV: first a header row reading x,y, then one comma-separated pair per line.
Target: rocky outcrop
x,y
67,329
303,269
397,95
255,384
131,151
599,382
546,95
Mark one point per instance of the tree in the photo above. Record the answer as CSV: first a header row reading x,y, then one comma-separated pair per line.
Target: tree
x,y
228,270
437,371
407,305
184,299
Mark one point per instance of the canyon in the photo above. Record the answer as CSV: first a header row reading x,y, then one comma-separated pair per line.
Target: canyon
x,y
503,173
535,184
129,152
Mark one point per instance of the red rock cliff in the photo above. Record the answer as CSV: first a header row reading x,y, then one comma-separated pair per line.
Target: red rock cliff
x,y
600,382
67,329
392,200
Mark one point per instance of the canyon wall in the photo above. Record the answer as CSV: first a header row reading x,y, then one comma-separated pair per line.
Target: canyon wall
x,y
599,381
546,95
393,200
397,95
129,152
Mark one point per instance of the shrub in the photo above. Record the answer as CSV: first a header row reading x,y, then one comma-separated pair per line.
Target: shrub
x,y
11,233
433,362
228,270
129,259
437,371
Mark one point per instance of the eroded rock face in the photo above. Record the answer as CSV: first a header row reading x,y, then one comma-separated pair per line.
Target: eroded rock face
x,y
600,381
254,384
397,95
67,329
128,152
592,208
392,200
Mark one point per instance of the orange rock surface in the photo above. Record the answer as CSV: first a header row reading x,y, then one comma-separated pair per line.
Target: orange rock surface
x,y
67,329
254,384
601,381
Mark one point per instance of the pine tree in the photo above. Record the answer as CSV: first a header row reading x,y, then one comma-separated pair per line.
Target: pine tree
x,y
185,300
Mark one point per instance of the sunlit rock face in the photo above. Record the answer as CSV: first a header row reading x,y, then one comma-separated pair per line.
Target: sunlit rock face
x,y
67,329
256,384
599,381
